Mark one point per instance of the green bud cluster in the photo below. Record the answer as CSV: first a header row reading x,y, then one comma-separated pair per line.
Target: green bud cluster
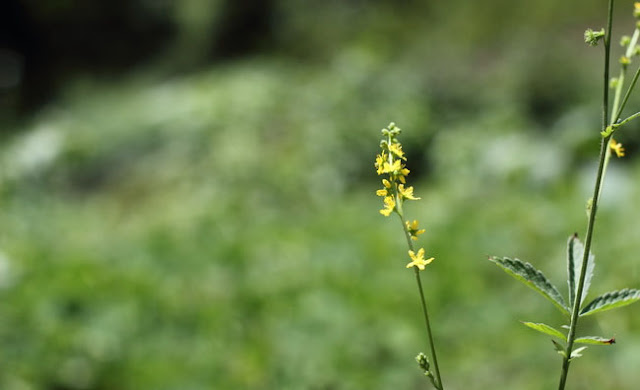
x,y
391,133
625,40
592,37
423,363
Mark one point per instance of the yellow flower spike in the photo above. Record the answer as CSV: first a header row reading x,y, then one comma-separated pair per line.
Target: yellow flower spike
x,y
389,206
418,259
413,229
616,147
406,193
396,148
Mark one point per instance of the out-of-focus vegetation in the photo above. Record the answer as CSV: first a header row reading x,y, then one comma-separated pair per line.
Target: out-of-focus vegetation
x,y
205,217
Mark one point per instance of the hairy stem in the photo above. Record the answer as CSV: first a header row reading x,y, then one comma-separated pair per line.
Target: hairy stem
x,y
604,147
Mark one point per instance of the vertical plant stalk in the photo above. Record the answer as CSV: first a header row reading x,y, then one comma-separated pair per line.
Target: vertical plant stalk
x,y
423,302
389,162
604,150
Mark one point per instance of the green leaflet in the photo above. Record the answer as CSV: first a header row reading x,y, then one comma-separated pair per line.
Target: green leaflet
x,y
611,300
533,278
559,348
571,273
595,340
577,353
544,328
575,255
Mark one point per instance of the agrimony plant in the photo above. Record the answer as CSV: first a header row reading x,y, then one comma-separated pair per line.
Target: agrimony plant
x,y
390,165
580,260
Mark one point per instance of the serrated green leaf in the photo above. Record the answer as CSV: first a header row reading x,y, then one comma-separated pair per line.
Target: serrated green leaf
x,y
575,256
576,353
595,340
544,328
611,300
533,278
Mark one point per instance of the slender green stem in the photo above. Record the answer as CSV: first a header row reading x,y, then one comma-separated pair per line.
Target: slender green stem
x,y
423,302
429,333
629,118
585,260
626,95
594,205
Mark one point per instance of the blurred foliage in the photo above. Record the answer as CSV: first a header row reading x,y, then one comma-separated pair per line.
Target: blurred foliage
x,y
218,228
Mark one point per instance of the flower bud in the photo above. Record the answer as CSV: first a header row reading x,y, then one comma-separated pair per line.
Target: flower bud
x,y
592,37
625,40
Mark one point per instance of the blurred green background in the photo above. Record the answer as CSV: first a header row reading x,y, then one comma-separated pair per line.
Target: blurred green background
x,y
187,193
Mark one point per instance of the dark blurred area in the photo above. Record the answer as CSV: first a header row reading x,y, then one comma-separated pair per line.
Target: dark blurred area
x,y
43,44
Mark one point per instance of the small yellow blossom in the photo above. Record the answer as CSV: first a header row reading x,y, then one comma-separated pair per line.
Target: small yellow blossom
x,y
386,190
406,193
402,173
389,206
396,148
616,147
418,259
413,229
624,60
380,161
393,167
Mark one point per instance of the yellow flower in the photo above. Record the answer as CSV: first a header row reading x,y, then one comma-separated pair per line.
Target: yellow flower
x,y
389,206
418,259
406,193
380,161
413,229
384,191
396,149
391,168
402,173
616,147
